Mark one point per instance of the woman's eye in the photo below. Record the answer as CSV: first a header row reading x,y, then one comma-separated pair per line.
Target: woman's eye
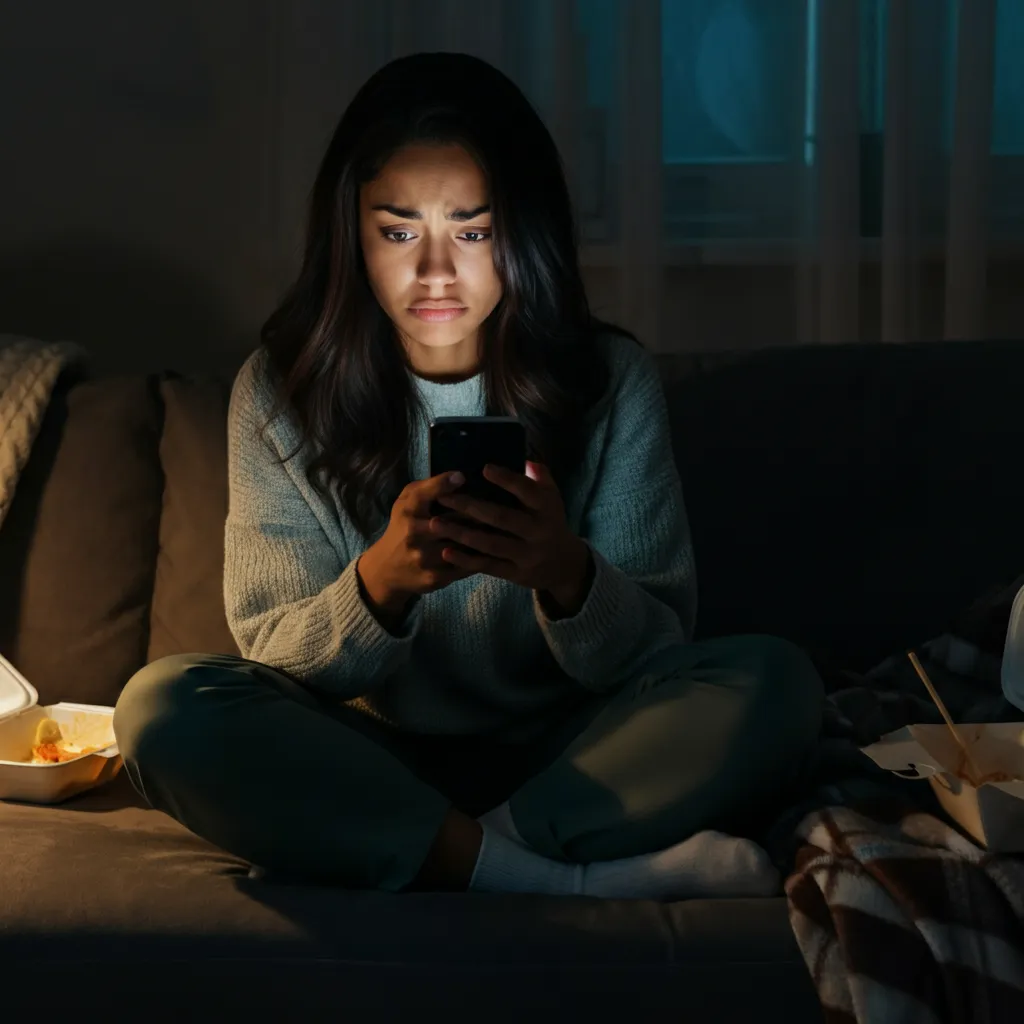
x,y
390,233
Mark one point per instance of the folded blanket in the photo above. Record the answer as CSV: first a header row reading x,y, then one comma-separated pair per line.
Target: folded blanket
x,y
901,920
29,370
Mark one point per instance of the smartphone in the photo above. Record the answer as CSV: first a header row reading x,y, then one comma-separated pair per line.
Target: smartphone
x,y
467,444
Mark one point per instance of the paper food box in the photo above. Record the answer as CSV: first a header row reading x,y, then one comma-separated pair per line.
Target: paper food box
x,y
87,740
989,808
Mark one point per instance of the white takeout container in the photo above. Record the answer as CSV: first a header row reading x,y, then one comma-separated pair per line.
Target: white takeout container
x,y
83,725
992,813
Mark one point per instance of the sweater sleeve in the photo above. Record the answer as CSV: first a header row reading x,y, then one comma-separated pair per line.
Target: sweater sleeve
x,y
293,600
642,598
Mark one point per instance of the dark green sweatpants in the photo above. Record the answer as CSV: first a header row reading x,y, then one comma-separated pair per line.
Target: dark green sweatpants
x,y
713,735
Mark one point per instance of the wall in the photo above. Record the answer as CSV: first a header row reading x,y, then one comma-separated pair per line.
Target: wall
x,y
138,212
156,161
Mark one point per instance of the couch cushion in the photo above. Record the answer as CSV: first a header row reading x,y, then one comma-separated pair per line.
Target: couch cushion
x,y
188,599
98,882
78,547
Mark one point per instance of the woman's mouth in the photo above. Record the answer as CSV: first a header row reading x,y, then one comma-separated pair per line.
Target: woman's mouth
x,y
435,315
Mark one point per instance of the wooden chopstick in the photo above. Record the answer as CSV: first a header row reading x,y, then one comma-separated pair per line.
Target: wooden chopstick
x,y
919,668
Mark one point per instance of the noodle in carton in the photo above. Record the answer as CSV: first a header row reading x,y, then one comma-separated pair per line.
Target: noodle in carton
x,y
990,808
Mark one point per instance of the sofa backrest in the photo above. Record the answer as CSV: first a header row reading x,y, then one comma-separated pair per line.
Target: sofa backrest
x,y
850,498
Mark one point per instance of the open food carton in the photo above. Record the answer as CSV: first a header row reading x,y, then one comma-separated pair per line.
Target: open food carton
x,y
990,807
85,745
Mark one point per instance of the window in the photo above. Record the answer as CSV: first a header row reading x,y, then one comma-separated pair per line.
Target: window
x,y
1007,211
732,103
738,99
732,77
1008,108
733,112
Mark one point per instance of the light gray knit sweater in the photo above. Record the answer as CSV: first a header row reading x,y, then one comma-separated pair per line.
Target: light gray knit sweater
x,y
479,656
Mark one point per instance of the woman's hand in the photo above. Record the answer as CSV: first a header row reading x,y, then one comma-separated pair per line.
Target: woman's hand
x,y
541,553
406,560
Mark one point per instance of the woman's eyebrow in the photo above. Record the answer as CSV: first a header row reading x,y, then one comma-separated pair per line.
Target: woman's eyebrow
x,y
408,214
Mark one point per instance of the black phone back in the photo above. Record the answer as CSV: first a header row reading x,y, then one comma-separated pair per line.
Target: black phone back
x,y
467,444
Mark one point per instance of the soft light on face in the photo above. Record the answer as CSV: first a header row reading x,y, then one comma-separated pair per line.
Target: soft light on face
x,y
425,229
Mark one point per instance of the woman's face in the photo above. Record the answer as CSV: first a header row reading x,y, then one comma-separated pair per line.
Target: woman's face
x,y
425,229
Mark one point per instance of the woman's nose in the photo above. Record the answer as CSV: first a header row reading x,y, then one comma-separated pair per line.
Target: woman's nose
x,y
436,265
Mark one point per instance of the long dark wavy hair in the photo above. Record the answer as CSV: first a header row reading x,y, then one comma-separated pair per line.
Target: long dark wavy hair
x,y
339,364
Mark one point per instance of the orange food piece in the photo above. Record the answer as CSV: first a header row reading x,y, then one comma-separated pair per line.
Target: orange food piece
x,y
53,753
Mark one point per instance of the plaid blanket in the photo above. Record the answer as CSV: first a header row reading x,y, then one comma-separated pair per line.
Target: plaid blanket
x,y
901,920
899,916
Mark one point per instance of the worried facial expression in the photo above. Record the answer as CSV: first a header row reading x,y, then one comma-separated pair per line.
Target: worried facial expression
x,y
425,230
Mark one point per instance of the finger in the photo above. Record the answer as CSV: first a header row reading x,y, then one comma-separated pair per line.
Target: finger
x,y
423,492
519,524
479,540
476,563
431,555
420,537
431,548
528,491
420,534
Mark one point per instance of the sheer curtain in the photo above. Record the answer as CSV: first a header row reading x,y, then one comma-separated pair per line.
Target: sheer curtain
x,y
844,169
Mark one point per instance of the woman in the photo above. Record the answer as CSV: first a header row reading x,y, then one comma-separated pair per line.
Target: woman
x,y
423,705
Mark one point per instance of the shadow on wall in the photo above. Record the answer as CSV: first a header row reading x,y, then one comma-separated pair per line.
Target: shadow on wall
x,y
131,310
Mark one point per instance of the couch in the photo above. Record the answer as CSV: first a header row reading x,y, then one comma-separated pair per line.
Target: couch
x,y
851,499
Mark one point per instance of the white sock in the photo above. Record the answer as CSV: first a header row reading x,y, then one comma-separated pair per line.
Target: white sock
x,y
707,865
500,819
